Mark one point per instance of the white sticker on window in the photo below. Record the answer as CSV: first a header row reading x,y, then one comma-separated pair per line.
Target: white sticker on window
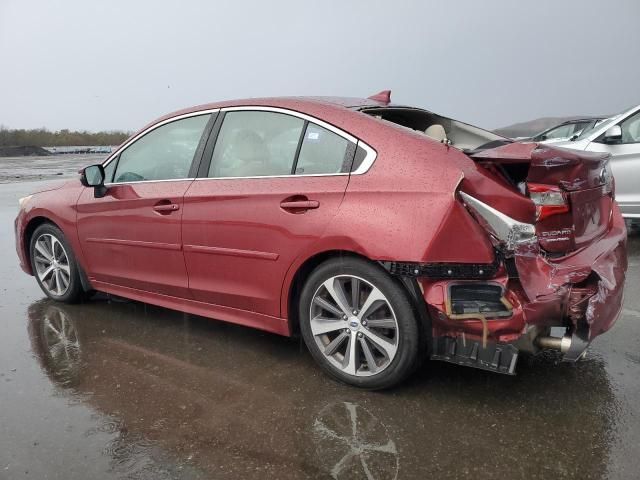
x,y
313,135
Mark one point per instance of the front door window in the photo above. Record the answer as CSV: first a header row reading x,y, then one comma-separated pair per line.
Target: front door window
x,y
165,153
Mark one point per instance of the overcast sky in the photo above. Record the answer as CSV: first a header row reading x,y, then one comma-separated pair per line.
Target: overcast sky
x,y
118,64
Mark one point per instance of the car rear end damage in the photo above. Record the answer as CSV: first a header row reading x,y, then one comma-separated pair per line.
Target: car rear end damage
x,y
560,260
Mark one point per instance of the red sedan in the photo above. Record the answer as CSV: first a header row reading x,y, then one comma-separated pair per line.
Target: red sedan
x,y
383,234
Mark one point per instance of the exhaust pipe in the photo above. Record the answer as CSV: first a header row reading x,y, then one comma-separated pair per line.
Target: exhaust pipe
x,y
561,344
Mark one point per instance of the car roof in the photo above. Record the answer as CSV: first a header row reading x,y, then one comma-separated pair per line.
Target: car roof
x,y
341,112
316,106
351,103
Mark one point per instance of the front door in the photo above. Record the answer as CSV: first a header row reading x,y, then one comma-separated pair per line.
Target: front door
x,y
132,235
273,183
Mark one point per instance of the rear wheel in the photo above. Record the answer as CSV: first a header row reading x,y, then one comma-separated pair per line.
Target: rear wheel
x,y
359,324
54,264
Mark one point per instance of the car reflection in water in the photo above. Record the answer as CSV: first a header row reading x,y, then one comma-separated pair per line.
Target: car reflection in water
x,y
354,441
231,402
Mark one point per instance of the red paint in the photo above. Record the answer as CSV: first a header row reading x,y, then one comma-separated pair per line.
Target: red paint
x,y
383,97
246,215
234,252
230,248
127,242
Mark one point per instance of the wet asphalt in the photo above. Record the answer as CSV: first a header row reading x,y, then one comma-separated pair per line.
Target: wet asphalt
x,y
21,169
119,389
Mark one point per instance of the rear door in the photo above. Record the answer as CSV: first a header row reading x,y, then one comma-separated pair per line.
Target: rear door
x,y
132,235
625,164
270,182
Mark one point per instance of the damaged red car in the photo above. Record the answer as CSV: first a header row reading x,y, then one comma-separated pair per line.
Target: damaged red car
x,y
381,233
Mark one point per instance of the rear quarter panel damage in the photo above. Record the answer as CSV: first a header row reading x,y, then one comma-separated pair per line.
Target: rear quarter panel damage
x,y
404,208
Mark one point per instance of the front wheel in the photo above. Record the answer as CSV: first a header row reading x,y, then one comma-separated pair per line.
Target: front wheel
x,y
358,323
54,264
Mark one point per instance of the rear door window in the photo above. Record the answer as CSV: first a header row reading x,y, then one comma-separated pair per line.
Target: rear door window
x,y
324,152
255,144
264,143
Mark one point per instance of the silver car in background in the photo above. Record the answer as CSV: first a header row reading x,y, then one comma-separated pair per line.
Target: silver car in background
x,y
564,131
619,136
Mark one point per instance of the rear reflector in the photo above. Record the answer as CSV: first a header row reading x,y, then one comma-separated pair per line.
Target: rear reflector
x,y
549,200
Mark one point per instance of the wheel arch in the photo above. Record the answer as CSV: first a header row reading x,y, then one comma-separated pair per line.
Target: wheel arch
x,y
294,289
29,230
410,285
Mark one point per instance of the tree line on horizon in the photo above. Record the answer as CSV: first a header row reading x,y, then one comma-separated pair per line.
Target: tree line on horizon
x,y
41,137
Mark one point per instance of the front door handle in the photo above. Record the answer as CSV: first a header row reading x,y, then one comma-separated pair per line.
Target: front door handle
x,y
165,208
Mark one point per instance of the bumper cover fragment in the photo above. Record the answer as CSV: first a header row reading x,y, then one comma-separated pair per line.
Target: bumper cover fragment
x,y
499,358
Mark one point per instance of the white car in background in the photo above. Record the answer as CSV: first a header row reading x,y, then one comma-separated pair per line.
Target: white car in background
x,y
566,130
619,136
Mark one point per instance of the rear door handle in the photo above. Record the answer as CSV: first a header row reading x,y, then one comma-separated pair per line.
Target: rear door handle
x,y
299,205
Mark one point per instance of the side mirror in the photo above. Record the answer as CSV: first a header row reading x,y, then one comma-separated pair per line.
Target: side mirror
x,y
93,176
613,134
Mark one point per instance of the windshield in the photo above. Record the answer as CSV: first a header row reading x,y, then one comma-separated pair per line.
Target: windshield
x,y
609,121
563,131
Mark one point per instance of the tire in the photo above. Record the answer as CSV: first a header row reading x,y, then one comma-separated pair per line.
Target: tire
x,y
387,327
62,282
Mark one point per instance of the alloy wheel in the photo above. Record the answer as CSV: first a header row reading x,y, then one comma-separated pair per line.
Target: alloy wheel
x,y
52,264
353,325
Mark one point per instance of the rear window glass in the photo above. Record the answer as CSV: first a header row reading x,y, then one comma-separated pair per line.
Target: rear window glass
x,y
323,152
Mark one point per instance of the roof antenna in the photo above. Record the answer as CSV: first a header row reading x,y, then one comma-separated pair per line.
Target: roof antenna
x,y
383,97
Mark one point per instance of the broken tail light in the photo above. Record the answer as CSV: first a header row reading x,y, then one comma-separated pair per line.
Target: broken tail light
x,y
549,200
506,230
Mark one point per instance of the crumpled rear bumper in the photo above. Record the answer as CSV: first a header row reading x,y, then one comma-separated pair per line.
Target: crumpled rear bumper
x,y
586,287
582,292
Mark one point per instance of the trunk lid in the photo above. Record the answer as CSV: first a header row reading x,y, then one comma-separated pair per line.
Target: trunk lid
x,y
573,191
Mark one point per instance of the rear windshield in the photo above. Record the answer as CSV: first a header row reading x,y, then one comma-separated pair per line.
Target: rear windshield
x,y
442,129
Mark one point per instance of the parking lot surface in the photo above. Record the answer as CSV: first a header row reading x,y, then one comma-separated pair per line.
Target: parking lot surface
x,y
119,389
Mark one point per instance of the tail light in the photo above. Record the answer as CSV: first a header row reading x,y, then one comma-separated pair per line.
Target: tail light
x,y
505,229
549,200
